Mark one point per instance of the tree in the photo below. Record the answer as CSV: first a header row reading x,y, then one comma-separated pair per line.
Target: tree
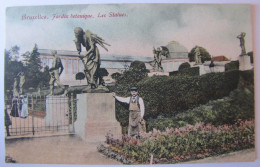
x,y
33,69
205,56
26,57
136,73
184,66
14,52
115,76
12,68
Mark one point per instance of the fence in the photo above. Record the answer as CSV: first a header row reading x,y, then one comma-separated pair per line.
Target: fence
x,y
36,115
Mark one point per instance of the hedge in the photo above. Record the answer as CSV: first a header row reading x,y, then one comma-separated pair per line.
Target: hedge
x,y
168,96
238,105
194,71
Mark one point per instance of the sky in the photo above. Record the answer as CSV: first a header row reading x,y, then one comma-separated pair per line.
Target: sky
x,y
142,27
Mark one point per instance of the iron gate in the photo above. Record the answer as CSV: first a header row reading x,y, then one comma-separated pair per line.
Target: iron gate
x,y
37,115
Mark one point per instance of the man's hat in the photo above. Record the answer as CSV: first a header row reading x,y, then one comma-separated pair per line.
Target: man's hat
x,y
133,89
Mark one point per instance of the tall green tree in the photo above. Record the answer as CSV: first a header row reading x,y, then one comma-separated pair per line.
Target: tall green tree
x,y
33,69
205,56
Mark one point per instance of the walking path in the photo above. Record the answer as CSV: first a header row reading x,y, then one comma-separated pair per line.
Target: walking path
x,y
55,150
70,149
248,155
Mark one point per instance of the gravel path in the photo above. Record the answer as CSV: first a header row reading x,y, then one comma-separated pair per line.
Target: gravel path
x,y
239,156
55,150
72,150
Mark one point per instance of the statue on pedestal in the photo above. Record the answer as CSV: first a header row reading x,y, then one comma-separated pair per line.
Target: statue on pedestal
x,y
21,82
15,88
55,72
158,53
91,59
241,37
197,56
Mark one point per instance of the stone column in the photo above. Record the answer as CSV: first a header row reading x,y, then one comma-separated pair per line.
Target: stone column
x,y
96,117
56,110
244,63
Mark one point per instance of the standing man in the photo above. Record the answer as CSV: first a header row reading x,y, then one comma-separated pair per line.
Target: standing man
x,y
136,112
55,72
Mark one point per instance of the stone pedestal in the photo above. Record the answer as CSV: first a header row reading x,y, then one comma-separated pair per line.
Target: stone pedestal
x,y
201,67
244,63
56,110
158,73
96,117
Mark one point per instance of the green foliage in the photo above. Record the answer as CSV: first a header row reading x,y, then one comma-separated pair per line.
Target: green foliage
x,y
205,56
233,65
184,66
33,69
115,76
186,143
12,68
129,78
168,96
246,78
238,105
35,77
72,101
80,76
194,71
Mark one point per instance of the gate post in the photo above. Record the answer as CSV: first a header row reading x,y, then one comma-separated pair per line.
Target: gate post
x,y
72,113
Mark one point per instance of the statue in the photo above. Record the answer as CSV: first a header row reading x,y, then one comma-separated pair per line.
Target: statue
x,y
15,88
158,53
241,37
21,82
197,56
91,59
55,72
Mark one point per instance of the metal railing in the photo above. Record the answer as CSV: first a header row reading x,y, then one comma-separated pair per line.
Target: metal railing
x,y
37,115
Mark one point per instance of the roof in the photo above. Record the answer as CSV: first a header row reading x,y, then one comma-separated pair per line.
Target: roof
x,y
108,57
220,58
177,50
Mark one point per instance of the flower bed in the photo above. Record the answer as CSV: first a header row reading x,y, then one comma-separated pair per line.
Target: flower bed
x,y
183,144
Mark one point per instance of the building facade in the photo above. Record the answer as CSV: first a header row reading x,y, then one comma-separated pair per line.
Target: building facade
x,y
72,65
178,55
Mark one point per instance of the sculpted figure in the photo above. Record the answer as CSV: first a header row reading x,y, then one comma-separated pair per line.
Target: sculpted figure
x,y
55,72
197,56
158,53
15,88
21,82
241,37
91,59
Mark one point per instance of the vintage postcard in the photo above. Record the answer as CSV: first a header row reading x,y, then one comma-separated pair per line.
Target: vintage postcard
x,y
116,84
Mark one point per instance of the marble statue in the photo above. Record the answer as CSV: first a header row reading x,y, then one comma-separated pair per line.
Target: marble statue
x,y
241,37
55,72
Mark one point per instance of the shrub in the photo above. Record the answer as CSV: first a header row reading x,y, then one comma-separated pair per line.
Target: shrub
x,y
168,96
233,65
194,71
184,66
186,143
205,56
238,105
